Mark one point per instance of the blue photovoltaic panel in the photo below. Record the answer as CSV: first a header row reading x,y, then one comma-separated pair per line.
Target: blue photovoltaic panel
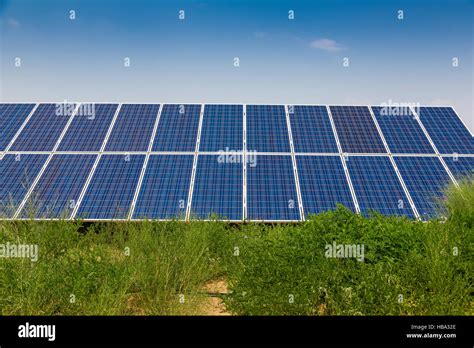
x,y
401,130
89,127
165,187
311,129
133,128
267,130
222,128
12,117
460,166
17,174
111,190
356,129
218,188
178,128
58,189
425,179
446,130
44,128
377,186
323,183
271,191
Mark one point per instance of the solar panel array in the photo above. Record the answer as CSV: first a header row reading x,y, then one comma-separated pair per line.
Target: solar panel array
x,y
229,162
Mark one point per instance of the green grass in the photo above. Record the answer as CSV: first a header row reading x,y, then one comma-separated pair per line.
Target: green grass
x,y
145,268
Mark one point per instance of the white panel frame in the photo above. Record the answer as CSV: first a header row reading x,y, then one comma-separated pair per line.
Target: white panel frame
x,y
295,168
196,155
145,163
40,174
395,167
96,163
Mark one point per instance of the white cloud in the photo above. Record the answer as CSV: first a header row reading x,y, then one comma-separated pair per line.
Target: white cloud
x,y
327,45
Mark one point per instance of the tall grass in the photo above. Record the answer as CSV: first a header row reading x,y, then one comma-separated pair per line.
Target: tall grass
x,y
159,268
107,268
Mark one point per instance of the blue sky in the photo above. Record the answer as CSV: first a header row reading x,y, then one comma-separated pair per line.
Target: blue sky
x,y
281,60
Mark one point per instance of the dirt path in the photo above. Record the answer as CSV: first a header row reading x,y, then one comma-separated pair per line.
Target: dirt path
x,y
213,305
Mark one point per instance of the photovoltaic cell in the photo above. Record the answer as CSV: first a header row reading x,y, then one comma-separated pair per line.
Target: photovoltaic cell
x,y
311,129
356,129
111,190
165,188
218,188
446,130
12,117
17,173
133,128
377,186
44,128
425,179
222,128
323,183
178,128
58,190
401,130
89,127
267,130
271,191
460,166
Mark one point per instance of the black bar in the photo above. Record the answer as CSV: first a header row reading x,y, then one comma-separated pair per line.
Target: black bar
x,y
241,330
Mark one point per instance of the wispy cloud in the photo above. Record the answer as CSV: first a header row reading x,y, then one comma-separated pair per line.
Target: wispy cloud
x,y
260,34
13,23
327,45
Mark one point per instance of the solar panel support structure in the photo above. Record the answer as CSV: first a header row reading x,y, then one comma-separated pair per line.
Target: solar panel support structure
x,y
295,168
418,119
193,174
40,174
10,144
145,163
244,163
343,160
96,163
394,165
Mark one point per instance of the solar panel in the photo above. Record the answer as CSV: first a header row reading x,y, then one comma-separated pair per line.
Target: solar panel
x,y
267,130
178,128
12,117
165,187
356,129
446,130
377,186
401,130
271,191
122,187
460,166
133,128
44,128
311,129
323,183
111,190
222,128
425,179
218,188
89,127
58,190
17,173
